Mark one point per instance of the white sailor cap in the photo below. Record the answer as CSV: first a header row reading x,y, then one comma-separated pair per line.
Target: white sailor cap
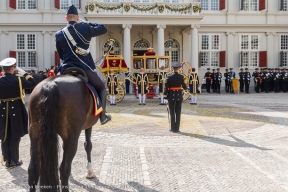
x,y
8,62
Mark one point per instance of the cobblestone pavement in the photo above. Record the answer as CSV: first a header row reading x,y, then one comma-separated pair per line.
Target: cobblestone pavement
x,y
227,143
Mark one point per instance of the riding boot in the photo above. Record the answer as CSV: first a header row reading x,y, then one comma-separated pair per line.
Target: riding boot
x,y
104,117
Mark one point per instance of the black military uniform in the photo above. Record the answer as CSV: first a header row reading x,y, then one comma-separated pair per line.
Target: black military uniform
x,y
284,76
127,82
218,78
262,84
241,80
271,86
257,80
232,75
13,114
276,78
173,92
214,86
266,80
247,78
208,77
226,74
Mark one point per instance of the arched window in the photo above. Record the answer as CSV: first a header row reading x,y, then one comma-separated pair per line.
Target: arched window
x,y
142,44
172,49
116,47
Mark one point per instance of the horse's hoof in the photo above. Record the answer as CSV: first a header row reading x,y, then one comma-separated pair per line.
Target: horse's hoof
x,y
91,176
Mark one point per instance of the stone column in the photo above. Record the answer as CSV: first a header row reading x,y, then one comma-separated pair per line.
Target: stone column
x,y
47,62
161,49
127,44
4,49
230,51
3,5
194,46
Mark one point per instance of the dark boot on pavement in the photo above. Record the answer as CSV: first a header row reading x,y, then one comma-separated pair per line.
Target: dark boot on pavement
x,y
104,117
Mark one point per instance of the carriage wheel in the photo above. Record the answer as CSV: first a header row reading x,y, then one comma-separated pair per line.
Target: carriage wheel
x,y
186,95
120,95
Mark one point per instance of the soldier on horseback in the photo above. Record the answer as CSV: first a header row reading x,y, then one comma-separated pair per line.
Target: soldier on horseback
x,y
72,43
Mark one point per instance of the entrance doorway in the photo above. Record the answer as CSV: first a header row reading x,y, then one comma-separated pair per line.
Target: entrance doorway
x,y
139,52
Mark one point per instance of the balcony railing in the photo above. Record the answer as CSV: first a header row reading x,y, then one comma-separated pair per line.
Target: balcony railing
x,y
147,8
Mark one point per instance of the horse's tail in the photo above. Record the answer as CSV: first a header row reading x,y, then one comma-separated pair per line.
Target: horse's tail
x,y
48,138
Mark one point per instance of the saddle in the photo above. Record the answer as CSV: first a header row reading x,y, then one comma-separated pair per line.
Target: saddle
x,y
80,73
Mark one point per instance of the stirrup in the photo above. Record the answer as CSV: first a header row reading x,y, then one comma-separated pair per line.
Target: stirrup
x,y
107,118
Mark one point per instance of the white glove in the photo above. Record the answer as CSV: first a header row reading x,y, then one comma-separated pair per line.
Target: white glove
x,y
165,101
20,71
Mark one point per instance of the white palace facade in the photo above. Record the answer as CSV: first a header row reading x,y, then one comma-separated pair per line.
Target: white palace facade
x,y
206,33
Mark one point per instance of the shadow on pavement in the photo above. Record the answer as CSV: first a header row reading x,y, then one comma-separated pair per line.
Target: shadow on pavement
x,y
140,187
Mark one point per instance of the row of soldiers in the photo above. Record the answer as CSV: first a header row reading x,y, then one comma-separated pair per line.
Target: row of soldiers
x,y
265,80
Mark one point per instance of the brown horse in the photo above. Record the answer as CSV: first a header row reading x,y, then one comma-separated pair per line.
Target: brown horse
x,y
60,105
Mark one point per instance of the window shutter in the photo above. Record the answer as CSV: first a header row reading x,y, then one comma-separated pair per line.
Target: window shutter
x,y
200,59
57,59
12,4
57,4
221,4
281,59
281,5
242,4
12,54
261,5
79,4
263,59
241,59
222,56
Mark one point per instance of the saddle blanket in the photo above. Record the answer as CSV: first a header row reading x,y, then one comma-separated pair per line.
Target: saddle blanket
x,y
96,100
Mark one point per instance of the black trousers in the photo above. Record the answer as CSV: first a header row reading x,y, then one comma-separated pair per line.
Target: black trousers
x,y
242,85
276,86
127,85
175,114
95,80
266,86
284,86
257,86
218,85
231,90
208,85
247,83
226,86
10,148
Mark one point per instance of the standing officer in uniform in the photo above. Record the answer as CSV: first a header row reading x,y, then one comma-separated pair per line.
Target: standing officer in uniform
x,y
218,80
13,115
112,82
232,76
208,77
257,80
194,83
143,83
284,76
261,75
276,77
266,80
127,82
226,75
247,78
72,44
214,86
161,83
173,92
241,80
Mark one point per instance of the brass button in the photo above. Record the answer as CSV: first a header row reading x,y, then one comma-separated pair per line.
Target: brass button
x,y
12,107
13,114
3,107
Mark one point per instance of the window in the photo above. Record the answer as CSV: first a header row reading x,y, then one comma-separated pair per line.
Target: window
x,y
249,5
210,5
172,49
210,49
64,4
284,50
283,5
26,50
249,50
26,4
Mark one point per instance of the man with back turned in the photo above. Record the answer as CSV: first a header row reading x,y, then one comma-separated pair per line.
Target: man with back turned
x,y
173,93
